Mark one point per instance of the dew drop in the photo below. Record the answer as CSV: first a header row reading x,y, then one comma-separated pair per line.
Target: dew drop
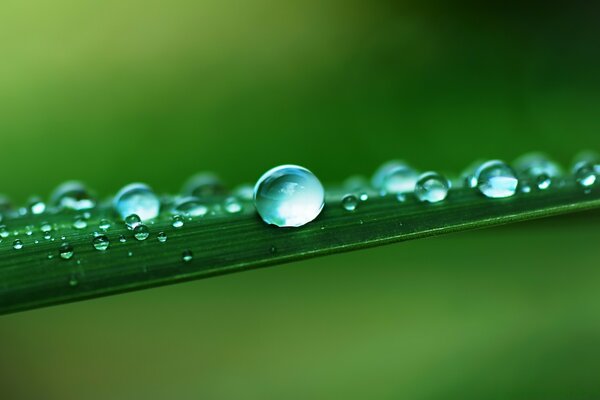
x,y
349,202
401,197
543,181
72,195
18,244
177,221
495,179
45,227
289,196
432,187
4,233
585,175
139,199
122,239
37,206
232,205
132,221
79,223
245,192
187,256
190,207
162,237
73,281
141,232
104,224
204,185
364,196
395,177
129,254
66,251
101,242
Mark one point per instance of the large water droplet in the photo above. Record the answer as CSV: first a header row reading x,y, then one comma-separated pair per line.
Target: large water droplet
x,y
289,196
137,198
66,251
204,185
101,242
349,202
432,187
495,179
141,232
395,177
190,207
72,195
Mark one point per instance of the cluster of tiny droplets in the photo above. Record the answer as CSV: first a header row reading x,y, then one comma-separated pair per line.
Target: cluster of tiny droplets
x,y
285,196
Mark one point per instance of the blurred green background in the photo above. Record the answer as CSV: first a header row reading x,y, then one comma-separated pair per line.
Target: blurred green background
x,y
115,91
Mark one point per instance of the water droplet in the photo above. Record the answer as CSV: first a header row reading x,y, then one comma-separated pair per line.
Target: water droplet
x,y
141,232
4,233
132,221
79,223
543,181
526,189
349,202
585,175
104,224
122,239
187,256
364,196
101,242
45,227
495,179
37,206
139,199
289,196
177,221
162,237
129,253
401,197
245,192
539,169
18,244
50,256
232,205
395,177
72,195
190,207
432,187
204,185
66,251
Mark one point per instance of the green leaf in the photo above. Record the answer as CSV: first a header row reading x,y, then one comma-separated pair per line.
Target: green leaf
x,y
36,276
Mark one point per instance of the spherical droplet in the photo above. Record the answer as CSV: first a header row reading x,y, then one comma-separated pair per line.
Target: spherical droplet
x,y
232,205
141,232
177,221
72,195
495,179
66,251
190,207
585,175
104,224
101,242
395,177
543,181
18,244
289,196
349,202
139,199
122,239
432,187
37,206
132,221
79,223
162,237
187,256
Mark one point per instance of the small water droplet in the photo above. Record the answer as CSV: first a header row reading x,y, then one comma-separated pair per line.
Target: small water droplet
x,y
543,181
585,175
190,207
129,253
104,224
37,206
177,221
50,256
122,239
432,187
273,249
395,177
4,233
364,196
401,197
204,185
139,199
132,221
18,244
525,189
245,192
79,223
73,281
187,256
101,242
289,196
66,251
495,179
232,205
141,232
45,227
72,195
162,237
349,202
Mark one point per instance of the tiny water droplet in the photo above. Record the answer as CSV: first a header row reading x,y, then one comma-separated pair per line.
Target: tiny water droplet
x,y
132,221
101,242
73,281
104,224
190,207
18,244
141,232
432,187
273,249
177,221
187,256
66,251
129,253
349,202
72,195
139,199
50,256
495,179
395,177
289,196
162,237
232,205
79,223
122,239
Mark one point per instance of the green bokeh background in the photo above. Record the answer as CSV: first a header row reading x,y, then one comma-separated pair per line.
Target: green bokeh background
x,y
115,91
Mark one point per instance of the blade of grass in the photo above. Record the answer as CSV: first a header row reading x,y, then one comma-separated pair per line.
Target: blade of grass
x,y
36,276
